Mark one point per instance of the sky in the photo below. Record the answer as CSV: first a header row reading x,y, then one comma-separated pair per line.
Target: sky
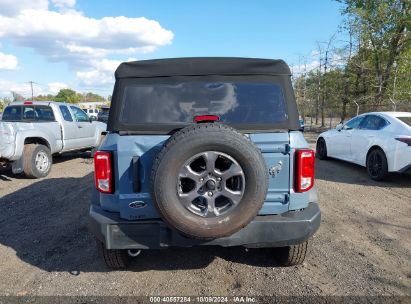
x,y
78,44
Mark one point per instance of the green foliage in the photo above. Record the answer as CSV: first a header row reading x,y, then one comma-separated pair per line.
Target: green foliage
x,y
4,102
376,68
70,96
48,97
93,97
67,95
64,95
382,30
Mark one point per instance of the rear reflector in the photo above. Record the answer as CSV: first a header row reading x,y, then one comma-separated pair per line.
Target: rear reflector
x,y
405,140
206,118
304,174
102,172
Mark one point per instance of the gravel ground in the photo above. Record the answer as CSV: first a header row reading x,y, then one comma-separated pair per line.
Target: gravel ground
x,y
362,247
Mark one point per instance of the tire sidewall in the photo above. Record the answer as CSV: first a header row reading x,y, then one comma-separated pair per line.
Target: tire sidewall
x,y
384,169
320,142
37,173
165,185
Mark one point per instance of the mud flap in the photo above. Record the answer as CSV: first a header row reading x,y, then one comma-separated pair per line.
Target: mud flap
x,y
17,166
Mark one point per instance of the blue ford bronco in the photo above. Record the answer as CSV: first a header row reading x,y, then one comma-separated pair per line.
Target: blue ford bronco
x,y
203,152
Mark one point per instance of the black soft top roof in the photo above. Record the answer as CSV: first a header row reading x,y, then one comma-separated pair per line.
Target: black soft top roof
x,y
195,69
201,66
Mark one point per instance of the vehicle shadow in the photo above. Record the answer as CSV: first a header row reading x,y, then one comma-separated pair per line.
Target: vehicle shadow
x,y
46,225
4,175
201,256
344,172
7,175
59,158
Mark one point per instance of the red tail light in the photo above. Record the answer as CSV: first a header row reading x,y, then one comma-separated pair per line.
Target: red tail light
x,y
304,179
206,118
102,172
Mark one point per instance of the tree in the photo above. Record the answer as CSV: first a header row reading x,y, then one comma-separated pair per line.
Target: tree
x,y
4,102
93,97
68,95
17,96
373,69
47,97
399,89
382,30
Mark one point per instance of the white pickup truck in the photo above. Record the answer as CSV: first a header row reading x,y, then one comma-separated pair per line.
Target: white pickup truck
x,y
31,132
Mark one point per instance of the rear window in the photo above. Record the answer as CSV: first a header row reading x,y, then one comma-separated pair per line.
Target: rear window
x,y
12,114
234,102
406,120
28,113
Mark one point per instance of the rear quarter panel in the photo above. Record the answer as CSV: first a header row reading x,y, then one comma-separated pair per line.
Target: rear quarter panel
x,y
398,153
298,200
7,140
49,131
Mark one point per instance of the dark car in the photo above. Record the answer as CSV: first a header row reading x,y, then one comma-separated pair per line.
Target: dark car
x,y
203,152
103,114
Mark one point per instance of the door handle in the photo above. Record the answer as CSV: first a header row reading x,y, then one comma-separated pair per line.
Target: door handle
x,y
79,127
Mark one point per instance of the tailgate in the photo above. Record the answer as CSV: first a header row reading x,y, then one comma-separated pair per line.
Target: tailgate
x,y
7,139
276,153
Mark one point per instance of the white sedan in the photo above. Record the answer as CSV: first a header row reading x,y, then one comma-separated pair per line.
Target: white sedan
x,y
379,141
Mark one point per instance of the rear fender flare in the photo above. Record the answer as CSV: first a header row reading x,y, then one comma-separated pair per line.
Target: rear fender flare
x,y
101,129
22,137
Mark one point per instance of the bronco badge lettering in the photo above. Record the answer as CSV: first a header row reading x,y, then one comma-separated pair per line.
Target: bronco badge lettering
x,y
274,170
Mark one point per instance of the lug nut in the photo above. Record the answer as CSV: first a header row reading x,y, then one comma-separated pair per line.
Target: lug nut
x,y
210,193
201,179
218,178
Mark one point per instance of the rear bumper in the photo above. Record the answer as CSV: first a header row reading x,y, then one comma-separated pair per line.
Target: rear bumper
x,y
289,228
405,169
400,161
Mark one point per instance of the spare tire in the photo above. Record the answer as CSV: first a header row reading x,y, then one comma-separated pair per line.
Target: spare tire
x,y
209,181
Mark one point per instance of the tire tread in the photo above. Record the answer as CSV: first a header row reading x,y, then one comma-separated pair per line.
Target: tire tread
x,y
294,254
114,258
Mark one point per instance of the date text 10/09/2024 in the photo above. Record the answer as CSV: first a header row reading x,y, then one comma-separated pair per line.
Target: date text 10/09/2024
x,y
203,299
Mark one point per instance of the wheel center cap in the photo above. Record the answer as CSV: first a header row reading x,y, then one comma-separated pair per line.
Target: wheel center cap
x,y
210,185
